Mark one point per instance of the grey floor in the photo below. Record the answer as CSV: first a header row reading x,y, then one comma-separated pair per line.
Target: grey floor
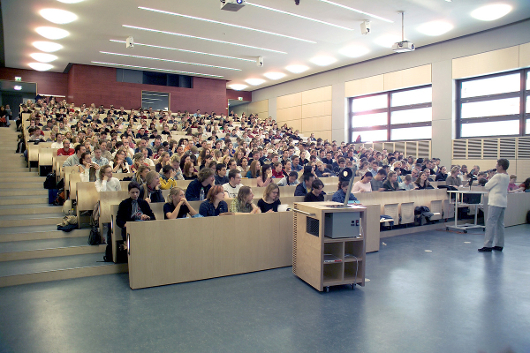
x,y
452,299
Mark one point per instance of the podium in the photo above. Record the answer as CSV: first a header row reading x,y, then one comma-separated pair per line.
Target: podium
x,y
326,254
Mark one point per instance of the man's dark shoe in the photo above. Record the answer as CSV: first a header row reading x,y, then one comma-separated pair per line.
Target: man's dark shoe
x,y
497,248
485,249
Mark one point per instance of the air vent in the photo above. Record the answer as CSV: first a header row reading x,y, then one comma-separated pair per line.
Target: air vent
x,y
459,149
424,149
378,146
389,146
490,149
523,148
474,149
399,146
507,148
411,148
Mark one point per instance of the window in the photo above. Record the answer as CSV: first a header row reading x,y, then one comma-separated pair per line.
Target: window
x,y
493,105
397,115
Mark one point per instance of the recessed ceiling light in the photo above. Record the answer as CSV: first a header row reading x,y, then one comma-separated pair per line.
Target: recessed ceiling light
x,y
168,60
43,58
387,40
354,51
254,81
224,24
17,88
70,1
323,60
274,75
154,69
296,69
491,12
202,38
40,66
58,16
358,11
435,28
52,32
185,51
299,16
237,86
48,47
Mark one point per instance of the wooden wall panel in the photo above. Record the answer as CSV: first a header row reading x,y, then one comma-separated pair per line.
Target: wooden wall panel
x,y
364,86
524,55
288,114
316,109
316,95
289,101
415,76
317,124
486,63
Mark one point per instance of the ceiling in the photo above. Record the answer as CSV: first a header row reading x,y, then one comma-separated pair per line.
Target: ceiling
x,y
100,21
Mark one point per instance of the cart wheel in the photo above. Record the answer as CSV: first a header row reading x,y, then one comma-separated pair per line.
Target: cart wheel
x,y
327,289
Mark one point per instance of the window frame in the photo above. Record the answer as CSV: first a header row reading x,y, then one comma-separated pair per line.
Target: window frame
x,y
522,94
388,110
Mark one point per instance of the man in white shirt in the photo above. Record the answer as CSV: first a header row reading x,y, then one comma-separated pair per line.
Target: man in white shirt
x,y
59,142
106,181
497,202
231,188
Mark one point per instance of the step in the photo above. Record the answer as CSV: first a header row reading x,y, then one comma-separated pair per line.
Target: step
x,y
14,273
27,233
37,249
22,185
13,169
22,179
30,220
29,209
23,192
23,200
24,174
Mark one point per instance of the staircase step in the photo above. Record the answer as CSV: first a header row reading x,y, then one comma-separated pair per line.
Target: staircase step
x,y
23,179
81,248
57,268
29,209
23,200
22,185
39,232
24,174
23,192
30,220
11,169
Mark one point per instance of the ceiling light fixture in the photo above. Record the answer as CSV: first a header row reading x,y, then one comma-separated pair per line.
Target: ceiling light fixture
x,y
58,16
154,69
238,86
70,1
354,51
52,33
40,66
435,28
202,38
185,50
323,60
168,60
297,69
48,47
491,12
358,11
17,88
43,58
274,75
255,81
225,24
299,16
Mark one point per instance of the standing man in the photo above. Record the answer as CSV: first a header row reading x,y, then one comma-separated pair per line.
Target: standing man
x,y
497,202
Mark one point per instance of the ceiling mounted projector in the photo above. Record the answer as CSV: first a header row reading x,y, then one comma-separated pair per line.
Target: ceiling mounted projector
x,y
403,46
232,5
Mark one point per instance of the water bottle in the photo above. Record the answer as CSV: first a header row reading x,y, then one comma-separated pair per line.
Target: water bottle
x,y
202,194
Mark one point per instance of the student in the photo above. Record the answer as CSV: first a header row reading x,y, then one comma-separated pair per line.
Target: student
x,y
442,174
363,185
377,180
243,202
340,194
316,194
214,205
407,183
199,188
423,183
270,200
303,188
454,179
254,170
265,177
133,209
512,186
291,179
231,188
150,191
106,181
167,180
391,183
177,206
220,174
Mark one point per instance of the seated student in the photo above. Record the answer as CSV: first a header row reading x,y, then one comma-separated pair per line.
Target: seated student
x,y
454,179
231,188
66,150
482,178
150,191
363,185
525,186
322,170
199,188
220,174
270,200
391,183
291,179
422,182
254,170
133,209
167,180
512,186
317,192
243,202
307,181
106,181
377,180
340,194
214,205
87,169
442,174
407,183
265,177
277,170
177,206
141,174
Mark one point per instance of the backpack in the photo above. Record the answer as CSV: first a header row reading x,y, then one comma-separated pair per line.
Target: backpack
x,y
59,201
93,237
50,182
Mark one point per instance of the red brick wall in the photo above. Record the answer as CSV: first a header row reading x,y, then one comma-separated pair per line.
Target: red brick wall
x,y
231,94
54,83
94,84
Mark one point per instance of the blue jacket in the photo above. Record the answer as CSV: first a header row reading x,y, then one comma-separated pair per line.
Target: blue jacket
x,y
193,191
340,195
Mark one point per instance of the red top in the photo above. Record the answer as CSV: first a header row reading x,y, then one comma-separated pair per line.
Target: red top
x,y
62,152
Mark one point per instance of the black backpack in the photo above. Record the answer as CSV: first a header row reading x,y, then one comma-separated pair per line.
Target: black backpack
x,y
93,237
50,182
